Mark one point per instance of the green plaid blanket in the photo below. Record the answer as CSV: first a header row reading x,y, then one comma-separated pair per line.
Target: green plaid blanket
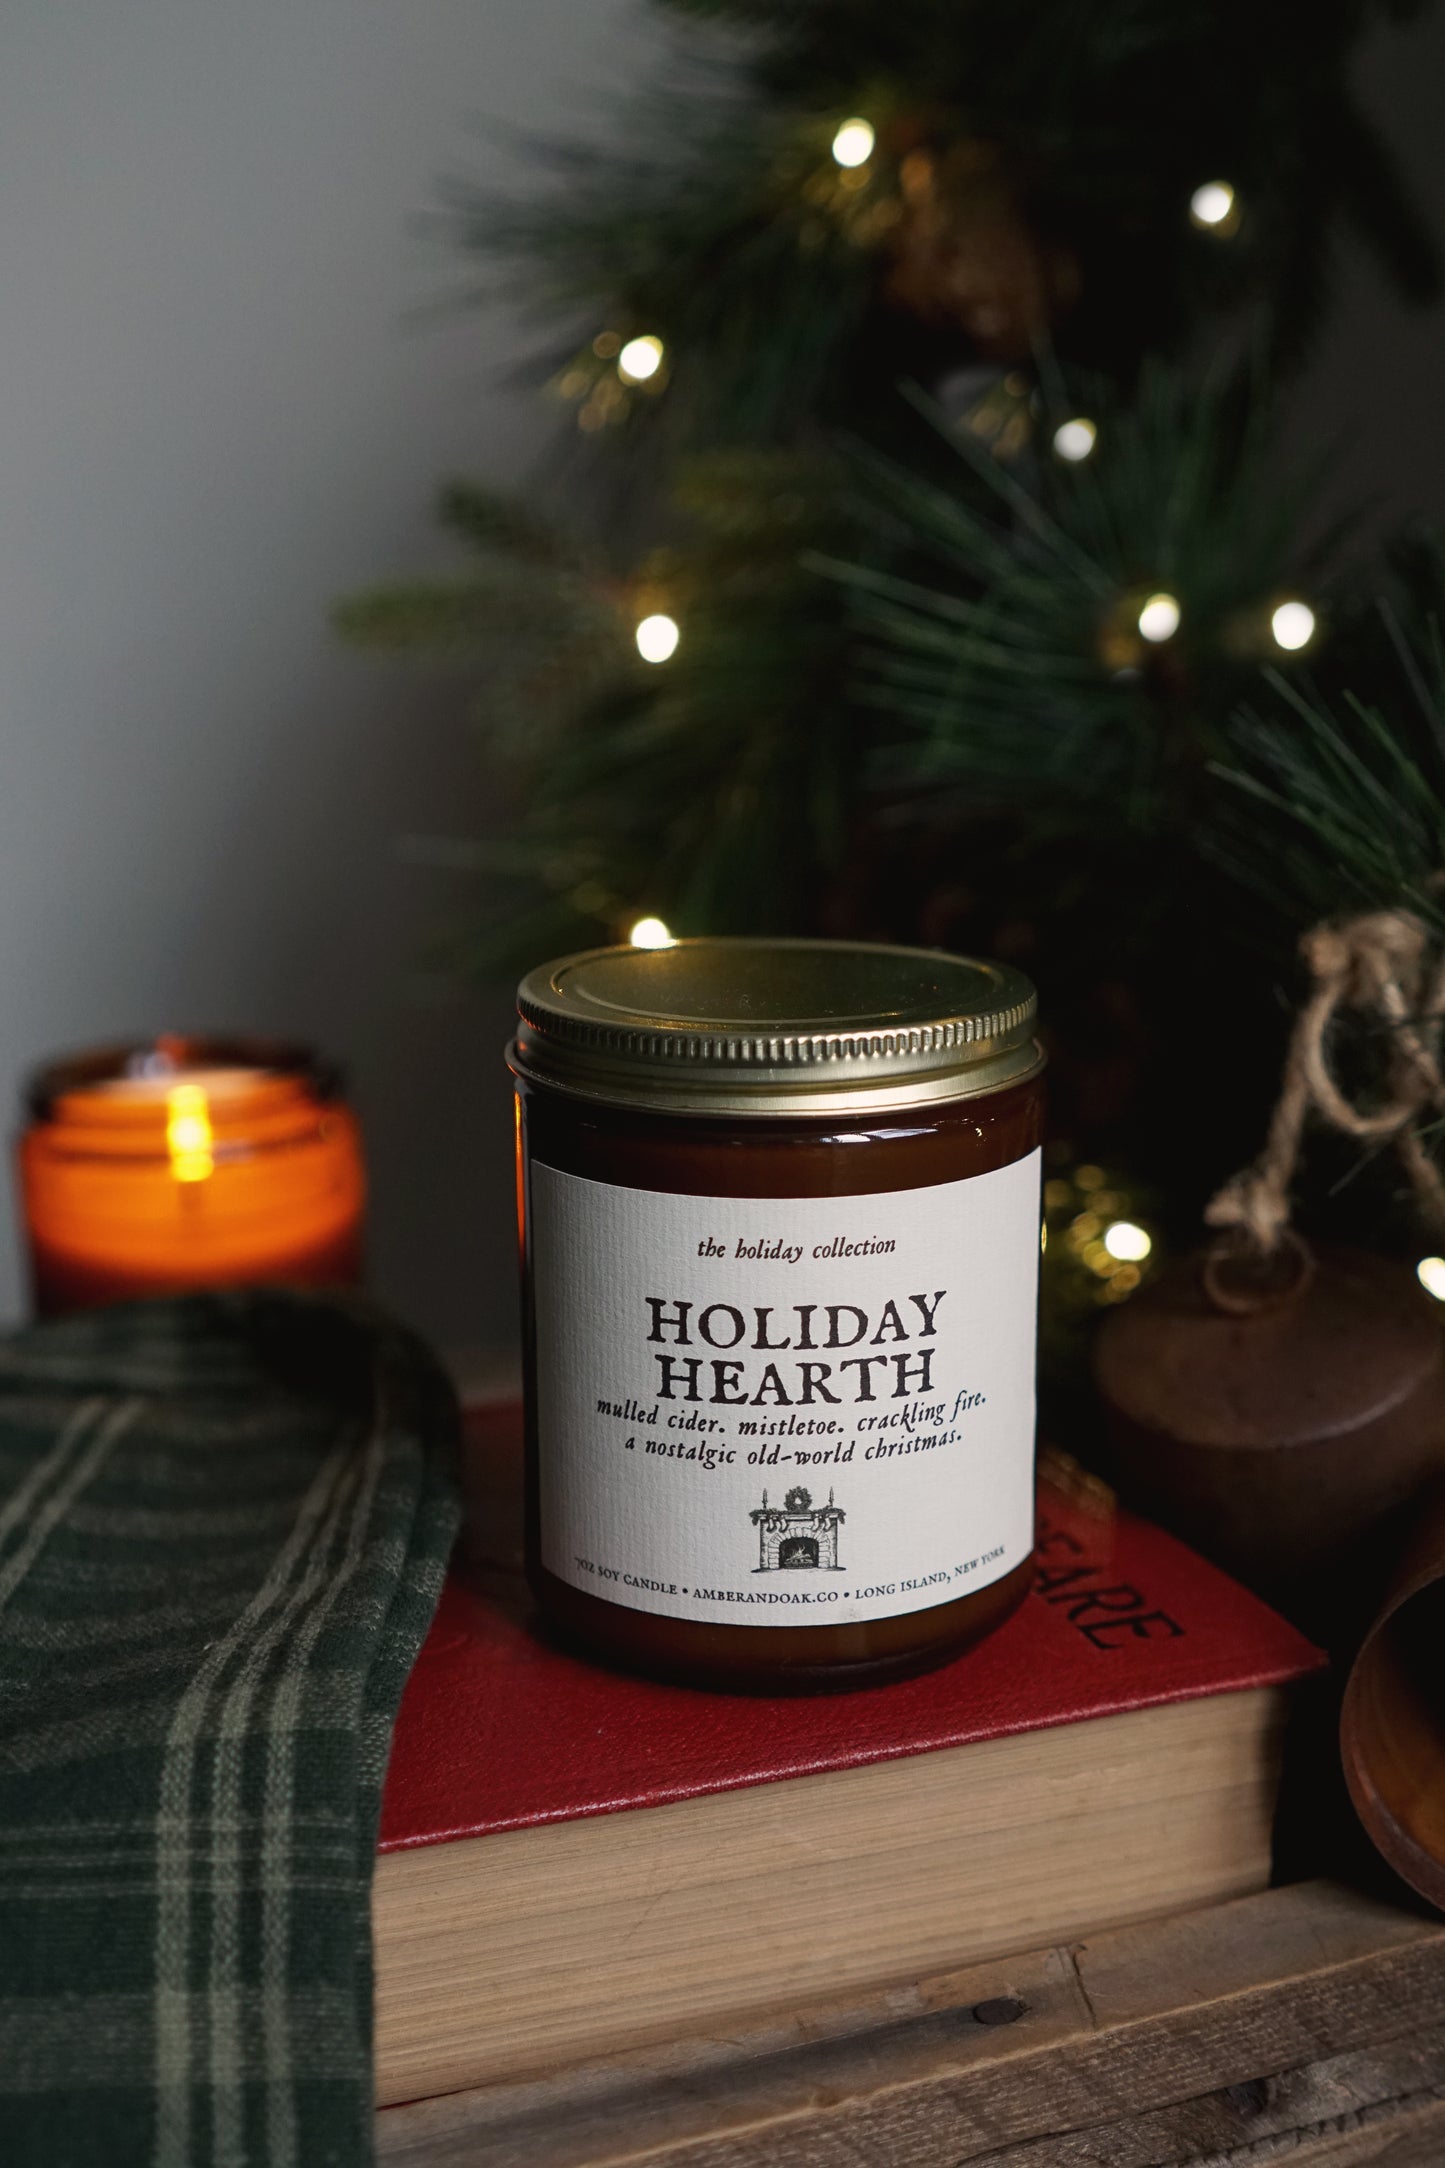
x,y
223,1526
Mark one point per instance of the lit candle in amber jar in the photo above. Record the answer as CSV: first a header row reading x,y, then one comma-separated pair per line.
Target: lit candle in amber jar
x,y
188,1163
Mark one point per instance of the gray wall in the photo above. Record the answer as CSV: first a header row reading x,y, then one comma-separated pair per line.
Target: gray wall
x,y
1373,397
215,416
217,411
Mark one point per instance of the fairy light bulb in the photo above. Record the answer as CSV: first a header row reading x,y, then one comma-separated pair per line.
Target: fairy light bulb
x,y
1129,1243
1075,439
657,637
1430,1272
640,359
1293,626
1212,206
651,933
853,144
1159,618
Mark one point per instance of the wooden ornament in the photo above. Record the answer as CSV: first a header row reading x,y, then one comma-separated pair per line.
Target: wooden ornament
x,y
1279,1406
963,253
1278,1412
1392,1724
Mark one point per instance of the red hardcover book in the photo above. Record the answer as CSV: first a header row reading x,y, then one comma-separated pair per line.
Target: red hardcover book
x,y
1109,1752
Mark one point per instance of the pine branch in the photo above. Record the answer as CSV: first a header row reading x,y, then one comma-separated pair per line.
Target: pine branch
x,y
1340,783
492,521
938,630
1000,633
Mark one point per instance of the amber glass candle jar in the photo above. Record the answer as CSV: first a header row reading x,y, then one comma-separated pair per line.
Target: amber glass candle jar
x,y
780,1239
188,1163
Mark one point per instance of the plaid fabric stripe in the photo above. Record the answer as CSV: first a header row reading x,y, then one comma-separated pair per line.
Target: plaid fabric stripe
x,y
223,1527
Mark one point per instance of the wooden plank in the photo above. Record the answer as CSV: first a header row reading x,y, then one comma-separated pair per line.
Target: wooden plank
x,y
1305,2024
1339,2110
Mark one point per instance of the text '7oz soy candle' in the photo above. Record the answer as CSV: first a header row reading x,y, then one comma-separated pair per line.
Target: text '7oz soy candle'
x,y
780,1237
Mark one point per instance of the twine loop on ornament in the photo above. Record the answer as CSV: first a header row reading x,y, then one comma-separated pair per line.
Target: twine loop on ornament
x,y
1241,1279
1379,964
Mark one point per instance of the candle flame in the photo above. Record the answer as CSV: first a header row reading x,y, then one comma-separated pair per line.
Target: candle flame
x,y
188,1133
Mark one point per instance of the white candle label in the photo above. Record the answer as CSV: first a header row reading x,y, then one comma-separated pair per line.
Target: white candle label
x,y
786,1411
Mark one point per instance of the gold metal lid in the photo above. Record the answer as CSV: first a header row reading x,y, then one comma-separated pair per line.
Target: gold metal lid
x,y
774,1027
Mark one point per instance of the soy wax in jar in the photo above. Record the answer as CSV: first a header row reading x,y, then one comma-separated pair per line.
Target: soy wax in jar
x,y
779,1208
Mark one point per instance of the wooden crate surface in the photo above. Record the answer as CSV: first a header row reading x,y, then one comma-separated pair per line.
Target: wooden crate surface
x,y
1305,2025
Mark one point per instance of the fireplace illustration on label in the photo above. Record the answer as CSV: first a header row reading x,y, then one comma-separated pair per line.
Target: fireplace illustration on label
x,y
797,1533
